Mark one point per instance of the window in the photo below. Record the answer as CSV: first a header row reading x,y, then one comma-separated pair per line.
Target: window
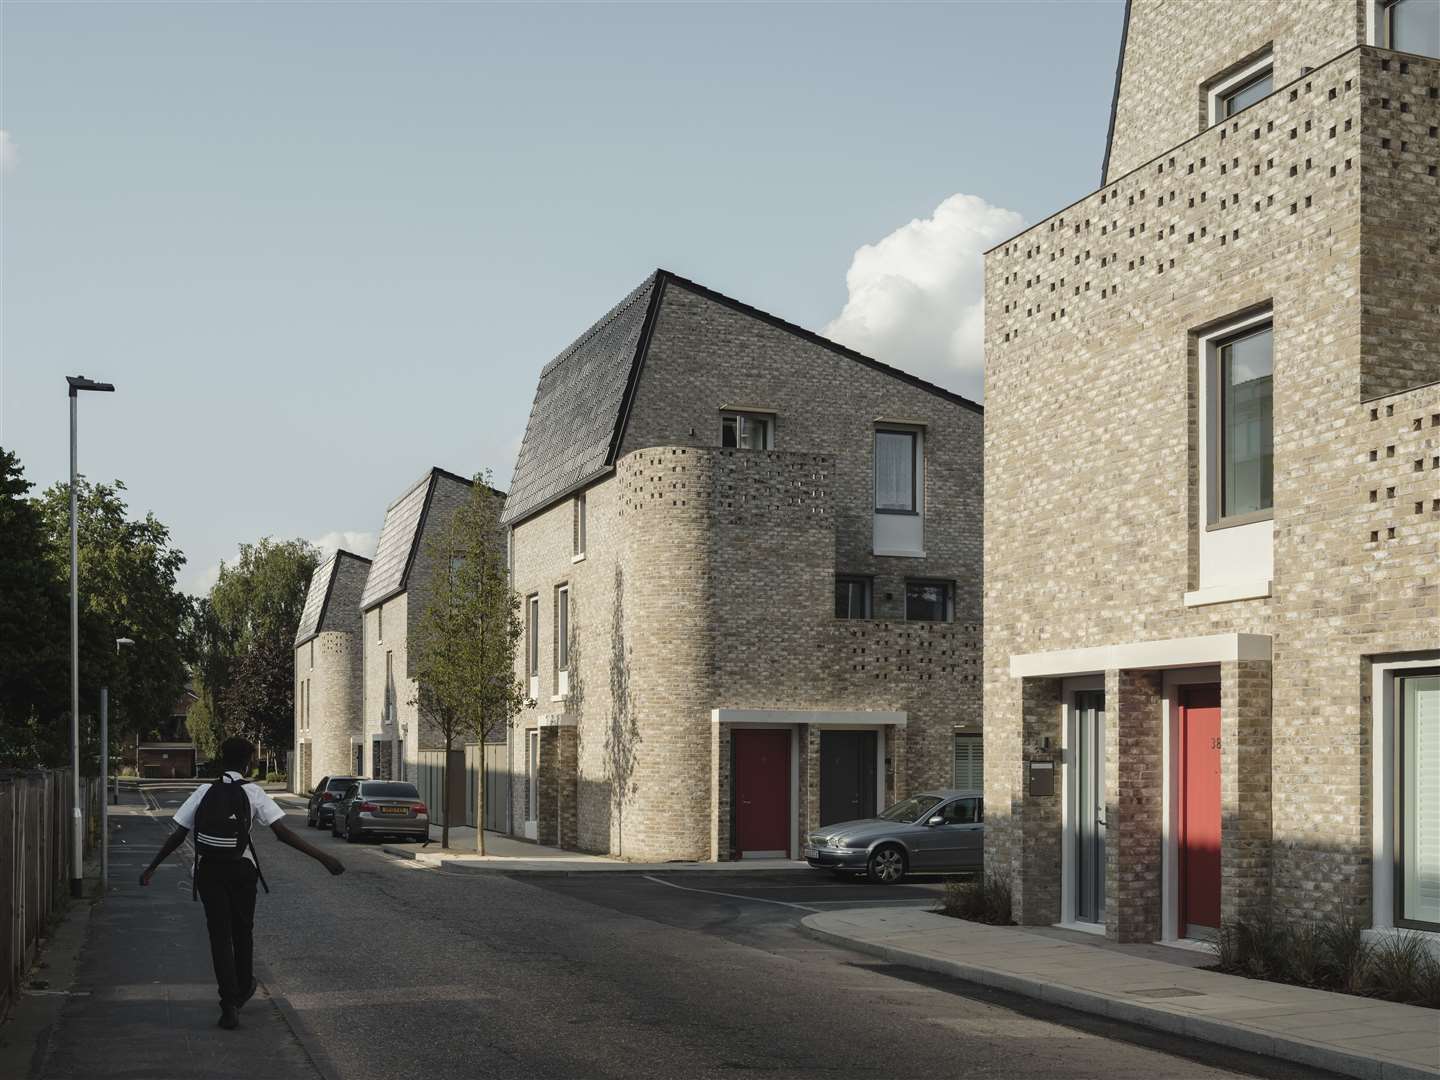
x,y
852,598
1411,26
1241,89
389,687
578,526
746,431
312,653
532,637
1246,442
380,623
1417,799
562,629
969,768
895,453
929,601
963,812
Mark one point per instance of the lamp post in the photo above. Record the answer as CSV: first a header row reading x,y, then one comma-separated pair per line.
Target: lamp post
x,y
77,831
105,777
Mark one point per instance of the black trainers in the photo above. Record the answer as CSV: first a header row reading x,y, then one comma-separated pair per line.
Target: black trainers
x,y
229,1017
248,993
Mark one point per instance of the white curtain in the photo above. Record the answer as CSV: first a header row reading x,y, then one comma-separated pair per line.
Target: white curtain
x,y
1420,760
894,462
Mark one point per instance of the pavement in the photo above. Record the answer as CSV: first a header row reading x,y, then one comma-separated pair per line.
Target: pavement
x,y
1353,1036
399,969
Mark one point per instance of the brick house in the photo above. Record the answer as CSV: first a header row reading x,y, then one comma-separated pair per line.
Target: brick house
x,y
1212,455
394,596
329,735
750,568
166,749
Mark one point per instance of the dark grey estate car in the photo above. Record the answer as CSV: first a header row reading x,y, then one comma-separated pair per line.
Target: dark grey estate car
x,y
320,811
381,808
936,832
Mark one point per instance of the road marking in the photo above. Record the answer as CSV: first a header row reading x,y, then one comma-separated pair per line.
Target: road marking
x,y
732,896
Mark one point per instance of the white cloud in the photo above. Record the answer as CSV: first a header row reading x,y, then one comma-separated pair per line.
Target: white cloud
x,y
9,156
917,296
360,543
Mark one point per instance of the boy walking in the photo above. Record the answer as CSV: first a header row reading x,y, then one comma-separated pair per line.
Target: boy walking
x,y
227,870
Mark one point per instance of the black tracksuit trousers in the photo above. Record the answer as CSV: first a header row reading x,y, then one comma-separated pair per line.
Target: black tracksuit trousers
x,y
227,889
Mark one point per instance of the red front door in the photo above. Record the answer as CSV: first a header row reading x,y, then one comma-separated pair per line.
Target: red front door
x,y
1199,807
762,792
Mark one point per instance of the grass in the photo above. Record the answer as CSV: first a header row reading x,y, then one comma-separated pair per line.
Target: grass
x,y
985,900
1332,955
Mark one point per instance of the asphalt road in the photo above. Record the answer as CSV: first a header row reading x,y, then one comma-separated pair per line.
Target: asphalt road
x,y
397,971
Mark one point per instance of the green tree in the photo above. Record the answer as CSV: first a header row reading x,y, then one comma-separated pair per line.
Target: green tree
x,y
243,636
462,647
34,637
200,722
127,575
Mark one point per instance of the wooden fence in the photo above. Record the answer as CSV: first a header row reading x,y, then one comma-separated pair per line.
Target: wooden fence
x,y
429,778
35,847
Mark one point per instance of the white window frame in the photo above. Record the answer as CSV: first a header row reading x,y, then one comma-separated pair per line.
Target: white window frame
x,y
1383,787
532,644
741,417
1068,886
1223,88
562,641
577,528
1237,556
380,623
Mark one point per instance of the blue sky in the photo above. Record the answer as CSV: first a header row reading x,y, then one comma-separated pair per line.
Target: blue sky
x,y
320,247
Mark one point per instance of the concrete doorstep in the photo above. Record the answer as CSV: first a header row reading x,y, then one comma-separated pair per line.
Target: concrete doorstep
x,y
1354,1036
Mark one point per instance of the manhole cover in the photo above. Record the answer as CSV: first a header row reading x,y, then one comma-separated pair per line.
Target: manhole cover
x,y
1166,992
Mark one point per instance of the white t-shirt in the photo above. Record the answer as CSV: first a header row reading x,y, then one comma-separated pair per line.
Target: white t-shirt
x,y
263,808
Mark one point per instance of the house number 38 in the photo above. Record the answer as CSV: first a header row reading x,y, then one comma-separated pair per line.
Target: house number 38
x,y
1215,743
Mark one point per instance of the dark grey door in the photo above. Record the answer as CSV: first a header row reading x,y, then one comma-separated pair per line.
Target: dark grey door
x,y
847,775
1087,803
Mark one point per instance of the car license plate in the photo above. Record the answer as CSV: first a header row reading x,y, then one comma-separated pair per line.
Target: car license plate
x,y
394,810
812,853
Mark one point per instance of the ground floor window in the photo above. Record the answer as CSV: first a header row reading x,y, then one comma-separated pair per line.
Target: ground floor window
x,y
1417,798
969,768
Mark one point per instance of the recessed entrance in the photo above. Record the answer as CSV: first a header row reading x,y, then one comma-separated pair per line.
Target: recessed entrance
x,y
1199,809
761,761
1086,791
847,775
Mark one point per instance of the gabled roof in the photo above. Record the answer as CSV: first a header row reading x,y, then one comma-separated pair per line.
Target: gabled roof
x,y
317,598
399,541
1115,98
584,394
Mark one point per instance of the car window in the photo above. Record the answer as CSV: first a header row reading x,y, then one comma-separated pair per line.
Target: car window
x,y
321,785
910,810
339,784
351,791
392,791
962,812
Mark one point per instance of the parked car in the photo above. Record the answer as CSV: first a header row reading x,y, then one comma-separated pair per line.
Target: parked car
x,y
320,810
935,832
381,808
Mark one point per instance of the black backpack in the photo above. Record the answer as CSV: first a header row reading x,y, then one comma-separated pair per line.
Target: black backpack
x,y
222,828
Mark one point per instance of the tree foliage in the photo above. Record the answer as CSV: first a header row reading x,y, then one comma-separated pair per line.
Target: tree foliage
x,y
127,572
243,636
462,647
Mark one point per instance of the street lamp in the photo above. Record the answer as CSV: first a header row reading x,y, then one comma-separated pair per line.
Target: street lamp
x,y
77,831
105,778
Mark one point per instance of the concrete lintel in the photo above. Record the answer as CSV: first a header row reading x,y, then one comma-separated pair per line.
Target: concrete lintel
x,y
556,720
1140,655
824,717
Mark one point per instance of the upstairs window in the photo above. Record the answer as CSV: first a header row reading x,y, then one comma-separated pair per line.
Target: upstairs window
x,y
562,640
929,601
895,453
1241,89
578,529
532,637
1411,26
747,431
852,598
380,623
1246,427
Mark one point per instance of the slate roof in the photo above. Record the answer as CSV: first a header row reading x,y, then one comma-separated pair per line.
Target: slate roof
x,y
584,394
317,597
400,537
568,439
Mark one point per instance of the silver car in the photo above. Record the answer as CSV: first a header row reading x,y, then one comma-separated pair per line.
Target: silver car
x,y
381,808
935,832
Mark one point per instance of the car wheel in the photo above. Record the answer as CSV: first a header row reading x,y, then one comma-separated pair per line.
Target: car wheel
x,y
335,826
886,865
350,837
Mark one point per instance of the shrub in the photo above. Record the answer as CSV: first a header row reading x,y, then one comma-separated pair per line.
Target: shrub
x,y
275,778
1348,953
987,900
1398,966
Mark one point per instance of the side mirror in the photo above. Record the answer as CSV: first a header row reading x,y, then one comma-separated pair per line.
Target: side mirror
x,y
938,819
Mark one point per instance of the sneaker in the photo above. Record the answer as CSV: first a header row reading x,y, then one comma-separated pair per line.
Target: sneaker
x,y
248,993
229,1017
